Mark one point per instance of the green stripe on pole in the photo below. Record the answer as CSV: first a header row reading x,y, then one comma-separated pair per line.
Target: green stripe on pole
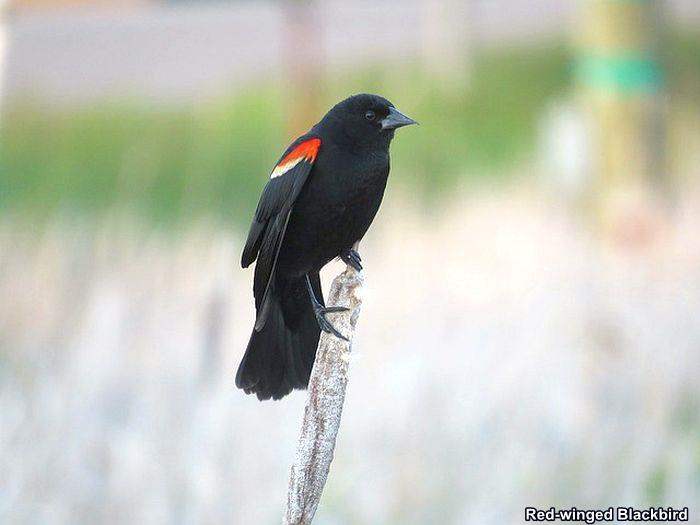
x,y
622,74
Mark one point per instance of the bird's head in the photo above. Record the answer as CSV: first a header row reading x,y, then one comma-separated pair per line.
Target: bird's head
x,y
365,119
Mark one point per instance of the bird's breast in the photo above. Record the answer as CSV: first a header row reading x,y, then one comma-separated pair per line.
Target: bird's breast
x,y
334,210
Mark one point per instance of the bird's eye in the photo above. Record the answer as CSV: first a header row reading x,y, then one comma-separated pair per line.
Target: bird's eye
x,y
370,115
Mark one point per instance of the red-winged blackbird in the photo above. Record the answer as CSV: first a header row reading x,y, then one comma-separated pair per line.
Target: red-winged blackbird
x,y
320,200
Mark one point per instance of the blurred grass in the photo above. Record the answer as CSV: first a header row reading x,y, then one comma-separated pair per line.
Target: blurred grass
x,y
212,160
165,165
484,130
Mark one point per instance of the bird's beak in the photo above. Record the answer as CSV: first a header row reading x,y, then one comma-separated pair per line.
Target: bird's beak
x,y
396,119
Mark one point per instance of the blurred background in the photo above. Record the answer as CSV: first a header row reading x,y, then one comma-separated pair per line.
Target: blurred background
x,y
530,334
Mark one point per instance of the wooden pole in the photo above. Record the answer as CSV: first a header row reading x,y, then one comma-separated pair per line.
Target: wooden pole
x,y
324,404
621,80
303,57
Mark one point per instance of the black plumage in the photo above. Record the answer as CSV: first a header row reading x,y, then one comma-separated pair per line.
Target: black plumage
x,y
321,198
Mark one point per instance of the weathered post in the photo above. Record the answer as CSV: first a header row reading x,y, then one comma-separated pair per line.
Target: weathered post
x,y
324,404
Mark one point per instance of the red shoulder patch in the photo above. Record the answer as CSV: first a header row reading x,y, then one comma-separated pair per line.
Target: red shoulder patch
x,y
306,151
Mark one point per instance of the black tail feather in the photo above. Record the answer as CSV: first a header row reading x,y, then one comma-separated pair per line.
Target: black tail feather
x,y
279,357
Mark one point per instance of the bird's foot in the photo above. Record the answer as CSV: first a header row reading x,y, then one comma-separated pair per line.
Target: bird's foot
x,y
352,258
324,324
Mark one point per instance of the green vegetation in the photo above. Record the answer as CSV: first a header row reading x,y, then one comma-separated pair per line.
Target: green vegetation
x,y
164,165
170,165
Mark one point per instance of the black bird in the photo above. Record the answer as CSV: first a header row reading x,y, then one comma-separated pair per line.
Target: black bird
x,y
320,200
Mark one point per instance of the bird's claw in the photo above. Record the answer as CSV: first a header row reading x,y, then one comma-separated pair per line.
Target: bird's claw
x,y
352,258
324,324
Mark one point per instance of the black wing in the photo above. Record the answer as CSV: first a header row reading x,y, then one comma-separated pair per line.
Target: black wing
x,y
271,217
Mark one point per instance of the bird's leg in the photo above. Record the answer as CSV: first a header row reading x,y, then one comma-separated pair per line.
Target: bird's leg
x,y
352,258
320,311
